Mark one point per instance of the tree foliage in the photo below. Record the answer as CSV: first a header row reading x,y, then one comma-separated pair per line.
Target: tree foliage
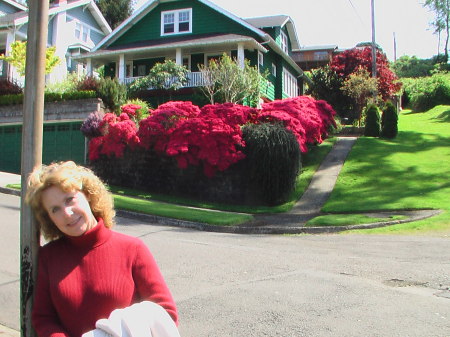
x,y
18,56
227,82
350,60
411,66
115,11
441,23
389,121
362,87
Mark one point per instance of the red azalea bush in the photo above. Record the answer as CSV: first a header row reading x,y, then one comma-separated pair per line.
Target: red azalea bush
x,y
232,114
118,133
210,136
308,119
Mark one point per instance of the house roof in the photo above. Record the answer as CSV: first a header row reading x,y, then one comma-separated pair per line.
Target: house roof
x,y
21,18
19,6
277,21
162,45
318,48
152,4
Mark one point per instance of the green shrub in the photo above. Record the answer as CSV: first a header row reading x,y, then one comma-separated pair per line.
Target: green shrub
x,y
389,120
372,127
422,94
272,162
112,93
69,96
11,99
53,96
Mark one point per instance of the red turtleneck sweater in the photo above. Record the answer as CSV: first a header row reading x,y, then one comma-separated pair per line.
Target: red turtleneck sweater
x,y
82,279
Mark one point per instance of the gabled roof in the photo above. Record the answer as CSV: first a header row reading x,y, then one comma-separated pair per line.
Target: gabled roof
x,y
277,21
21,18
152,4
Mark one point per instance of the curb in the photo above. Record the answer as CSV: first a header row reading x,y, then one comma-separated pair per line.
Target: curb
x,y
259,226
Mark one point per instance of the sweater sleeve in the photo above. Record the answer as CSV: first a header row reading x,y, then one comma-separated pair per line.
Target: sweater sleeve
x,y
44,317
150,283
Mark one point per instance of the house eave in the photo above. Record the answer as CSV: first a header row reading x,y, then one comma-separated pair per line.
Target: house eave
x,y
198,43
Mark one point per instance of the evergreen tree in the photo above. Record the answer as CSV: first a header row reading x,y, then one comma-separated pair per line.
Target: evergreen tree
x,y
389,119
115,11
372,127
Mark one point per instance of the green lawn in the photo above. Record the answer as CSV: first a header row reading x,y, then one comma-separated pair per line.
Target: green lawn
x,y
409,172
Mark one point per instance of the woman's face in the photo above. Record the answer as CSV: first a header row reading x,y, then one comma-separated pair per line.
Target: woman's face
x,y
69,211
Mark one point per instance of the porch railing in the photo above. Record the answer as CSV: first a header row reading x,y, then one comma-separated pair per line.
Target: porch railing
x,y
194,79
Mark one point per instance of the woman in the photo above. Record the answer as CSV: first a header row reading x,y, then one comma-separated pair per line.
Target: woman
x,y
86,270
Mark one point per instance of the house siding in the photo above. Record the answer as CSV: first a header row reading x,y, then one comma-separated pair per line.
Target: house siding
x,y
7,9
204,21
84,16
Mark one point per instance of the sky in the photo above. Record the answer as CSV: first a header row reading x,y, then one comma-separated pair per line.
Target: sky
x,y
404,24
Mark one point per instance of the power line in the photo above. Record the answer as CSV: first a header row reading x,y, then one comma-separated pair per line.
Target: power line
x,y
356,12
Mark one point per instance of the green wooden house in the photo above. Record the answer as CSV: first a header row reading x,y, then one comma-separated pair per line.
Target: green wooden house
x,y
191,32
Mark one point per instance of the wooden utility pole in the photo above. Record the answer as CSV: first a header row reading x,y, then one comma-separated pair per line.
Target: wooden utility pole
x,y
32,134
374,48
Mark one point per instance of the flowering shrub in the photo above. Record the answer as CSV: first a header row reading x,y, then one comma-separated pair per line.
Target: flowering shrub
x,y
91,125
211,136
118,134
232,114
181,130
307,118
136,110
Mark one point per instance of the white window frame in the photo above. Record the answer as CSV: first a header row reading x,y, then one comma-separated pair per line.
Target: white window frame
x,y
141,70
176,23
290,85
82,31
284,42
274,70
260,59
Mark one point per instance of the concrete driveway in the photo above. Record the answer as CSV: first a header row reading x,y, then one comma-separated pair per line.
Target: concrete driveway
x,y
270,285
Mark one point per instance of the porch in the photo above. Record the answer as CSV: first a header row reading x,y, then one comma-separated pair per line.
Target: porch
x,y
194,79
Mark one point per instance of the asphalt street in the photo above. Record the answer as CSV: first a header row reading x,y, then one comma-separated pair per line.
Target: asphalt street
x,y
278,285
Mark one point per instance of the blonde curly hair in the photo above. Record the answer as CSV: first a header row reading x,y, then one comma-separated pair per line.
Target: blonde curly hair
x,y
69,177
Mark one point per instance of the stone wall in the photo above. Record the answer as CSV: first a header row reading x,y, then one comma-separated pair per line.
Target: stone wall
x,y
54,111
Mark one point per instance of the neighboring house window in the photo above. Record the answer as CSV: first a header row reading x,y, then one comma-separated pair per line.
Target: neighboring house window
x,y
290,86
284,41
176,22
260,59
274,70
321,55
82,32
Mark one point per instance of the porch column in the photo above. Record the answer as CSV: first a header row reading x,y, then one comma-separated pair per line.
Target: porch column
x,y
89,66
10,70
179,57
240,55
122,68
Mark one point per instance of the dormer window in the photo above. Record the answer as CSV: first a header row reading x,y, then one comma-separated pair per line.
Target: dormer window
x,y
176,22
284,42
82,32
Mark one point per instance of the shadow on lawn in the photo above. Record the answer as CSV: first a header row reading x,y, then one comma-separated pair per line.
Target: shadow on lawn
x,y
398,185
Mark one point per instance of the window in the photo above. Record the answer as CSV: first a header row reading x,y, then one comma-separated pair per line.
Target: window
x,y
141,70
82,32
176,22
284,42
320,55
290,86
260,59
274,70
